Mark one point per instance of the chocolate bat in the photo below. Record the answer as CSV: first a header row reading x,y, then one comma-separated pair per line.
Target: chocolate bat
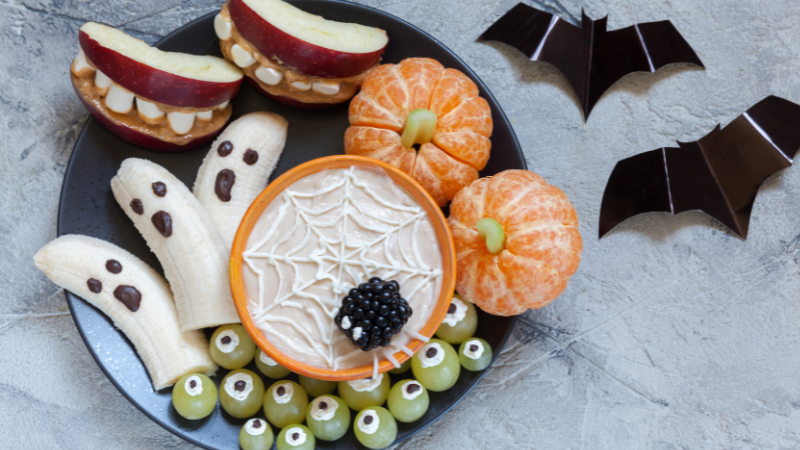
x,y
591,58
720,174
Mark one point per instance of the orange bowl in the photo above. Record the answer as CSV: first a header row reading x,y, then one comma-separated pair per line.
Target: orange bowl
x,y
271,192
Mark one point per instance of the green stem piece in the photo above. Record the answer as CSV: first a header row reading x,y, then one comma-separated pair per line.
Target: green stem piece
x,y
492,232
420,126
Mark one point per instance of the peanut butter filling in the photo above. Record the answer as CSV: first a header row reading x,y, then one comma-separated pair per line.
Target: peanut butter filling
x,y
290,82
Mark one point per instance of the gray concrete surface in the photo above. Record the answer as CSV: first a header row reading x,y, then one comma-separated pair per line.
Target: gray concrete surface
x,y
674,334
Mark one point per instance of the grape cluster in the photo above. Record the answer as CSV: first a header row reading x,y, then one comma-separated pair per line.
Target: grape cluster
x,y
372,313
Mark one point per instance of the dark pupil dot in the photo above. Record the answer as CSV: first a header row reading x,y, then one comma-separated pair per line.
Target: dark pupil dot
x,y
368,420
225,340
256,423
137,206
192,384
250,157
451,309
473,348
281,390
431,352
113,266
159,188
411,388
94,285
323,405
225,149
239,385
295,436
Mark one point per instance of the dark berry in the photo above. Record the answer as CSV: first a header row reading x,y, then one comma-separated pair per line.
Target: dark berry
x,y
374,280
375,308
348,308
385,297
381,321
371,314
353,292
363,287
364,324
358,313
384,310
387,332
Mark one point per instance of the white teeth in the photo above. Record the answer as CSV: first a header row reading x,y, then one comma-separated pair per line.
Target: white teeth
x,y
119,100
326,88
205,115
102,82
148,112
269,76
223,105
300,85
81,64
241,57
180,122
222,28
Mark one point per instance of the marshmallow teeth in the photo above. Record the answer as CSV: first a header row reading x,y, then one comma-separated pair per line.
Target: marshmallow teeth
x,y
183,237
238,167
135,297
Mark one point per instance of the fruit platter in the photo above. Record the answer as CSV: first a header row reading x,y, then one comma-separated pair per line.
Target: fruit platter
x,y
298,225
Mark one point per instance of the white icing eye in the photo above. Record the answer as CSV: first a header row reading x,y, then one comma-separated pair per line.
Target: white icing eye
x,y
295,436
267,360
282,393
193,386
366,384
431,355
255,427
411,390
324,408
227,341
473,349
369,421
456,312
239,385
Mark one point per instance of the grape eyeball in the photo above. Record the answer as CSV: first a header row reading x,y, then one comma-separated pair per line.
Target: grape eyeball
x,y
460,322
241,393
231,346
315,387
328,417
296,437
269,367
360,394
194,396
285,402
408,401
256,434
475,354
405,367
375,428
436,366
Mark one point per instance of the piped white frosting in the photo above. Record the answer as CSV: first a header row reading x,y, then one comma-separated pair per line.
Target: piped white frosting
x,y
230,346
324,414
290,436
267,360
437,359
366,384
458,315
198,386
288,391
473,354
230,386
252,430
372,427
411,396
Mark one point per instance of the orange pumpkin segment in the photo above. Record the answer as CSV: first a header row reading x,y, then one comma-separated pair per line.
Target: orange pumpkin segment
x,y
473,114
555,247
441,174
468,206
472,148
379,144
388,90
421,76
535,285
364,111
453,88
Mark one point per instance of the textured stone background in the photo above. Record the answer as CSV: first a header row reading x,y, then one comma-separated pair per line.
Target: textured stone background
x,y
673,334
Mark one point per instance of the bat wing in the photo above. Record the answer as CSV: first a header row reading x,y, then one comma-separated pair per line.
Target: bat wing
x,y
523,27
720,174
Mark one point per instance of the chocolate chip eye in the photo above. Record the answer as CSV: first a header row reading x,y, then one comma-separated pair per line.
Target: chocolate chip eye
x,y
368,420
113,266
94,285
192,384
159,188
239,385
280,391
137,206
225,340
451,309
323,405
431,352
473,348
411,388
295,436
256,423
250,157
225,149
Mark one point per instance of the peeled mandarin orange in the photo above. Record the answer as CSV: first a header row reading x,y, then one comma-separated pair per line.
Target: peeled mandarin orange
x,y
459,147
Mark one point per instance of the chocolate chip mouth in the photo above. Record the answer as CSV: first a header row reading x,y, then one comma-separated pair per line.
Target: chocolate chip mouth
x,y
239,386
431,352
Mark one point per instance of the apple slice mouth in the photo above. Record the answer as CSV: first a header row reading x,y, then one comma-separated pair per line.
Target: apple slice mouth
x,y
278,79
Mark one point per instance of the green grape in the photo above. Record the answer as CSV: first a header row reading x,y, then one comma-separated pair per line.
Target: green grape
x,y
269,367
328,428
302,437
357,393
241,393
464,328
413,405
315,387
293,407
250,439
194,396
403,368
381,437
475,347
231,347
442,371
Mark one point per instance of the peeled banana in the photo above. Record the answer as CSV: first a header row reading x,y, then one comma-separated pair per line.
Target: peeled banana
x,y
135,297
183,237
238,167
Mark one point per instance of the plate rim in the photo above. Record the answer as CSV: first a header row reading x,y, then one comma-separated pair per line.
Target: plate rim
x,y
71,298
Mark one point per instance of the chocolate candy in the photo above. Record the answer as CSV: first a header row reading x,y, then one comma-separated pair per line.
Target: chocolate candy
x,y
94,285
137,206
113,266
129,296
224,184
225,149
159,188
250,157
163,223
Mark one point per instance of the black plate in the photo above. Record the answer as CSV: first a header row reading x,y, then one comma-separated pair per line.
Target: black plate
x,y
88,207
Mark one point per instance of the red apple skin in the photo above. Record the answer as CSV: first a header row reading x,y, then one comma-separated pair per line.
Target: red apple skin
x,y
288,101
154,84
307,58
143,140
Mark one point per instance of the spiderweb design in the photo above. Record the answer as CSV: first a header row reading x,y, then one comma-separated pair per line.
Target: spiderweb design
x,y
346,240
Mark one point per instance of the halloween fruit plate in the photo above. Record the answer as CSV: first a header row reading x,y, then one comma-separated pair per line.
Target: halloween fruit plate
x,y
147,332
